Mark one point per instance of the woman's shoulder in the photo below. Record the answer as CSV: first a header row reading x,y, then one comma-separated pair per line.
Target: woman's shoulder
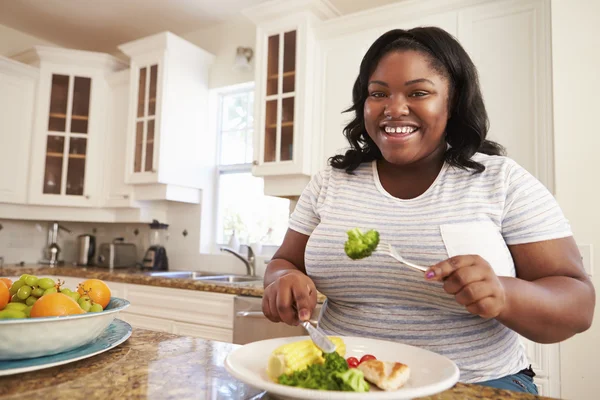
x,y
500,166
339,174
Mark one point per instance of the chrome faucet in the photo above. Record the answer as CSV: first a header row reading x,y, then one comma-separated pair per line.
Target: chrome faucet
x,y
250,262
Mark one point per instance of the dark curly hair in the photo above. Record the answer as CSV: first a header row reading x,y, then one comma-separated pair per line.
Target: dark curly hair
x,y
468,125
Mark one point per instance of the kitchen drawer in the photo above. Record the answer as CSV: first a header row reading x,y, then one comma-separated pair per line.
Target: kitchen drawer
x,y
211,309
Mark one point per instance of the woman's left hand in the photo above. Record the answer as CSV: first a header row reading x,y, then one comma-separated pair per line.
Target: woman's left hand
x,y
473,283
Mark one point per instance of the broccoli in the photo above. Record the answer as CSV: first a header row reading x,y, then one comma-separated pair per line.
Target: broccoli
x,y
331,375
361,245
353,380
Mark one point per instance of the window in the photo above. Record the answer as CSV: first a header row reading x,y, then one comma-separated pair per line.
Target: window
x,y
241,203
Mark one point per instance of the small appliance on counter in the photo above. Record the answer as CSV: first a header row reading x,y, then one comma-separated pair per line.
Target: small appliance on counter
x,y
155,258
86,248
117,254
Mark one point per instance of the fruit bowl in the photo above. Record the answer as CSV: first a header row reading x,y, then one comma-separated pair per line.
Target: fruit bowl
x,y
44,336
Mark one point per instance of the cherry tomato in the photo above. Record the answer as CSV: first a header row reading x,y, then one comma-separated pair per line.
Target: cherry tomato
x,y
367,357
352,362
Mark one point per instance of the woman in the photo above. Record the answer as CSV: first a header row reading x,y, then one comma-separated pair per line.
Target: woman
x,y
501,256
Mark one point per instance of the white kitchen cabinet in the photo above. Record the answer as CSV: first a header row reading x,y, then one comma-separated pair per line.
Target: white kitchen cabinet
x,y
286,96
69,124
17,94
169,151
116,192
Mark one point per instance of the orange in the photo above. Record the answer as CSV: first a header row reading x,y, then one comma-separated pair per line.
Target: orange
x,y
98,291
7,281
55,305
4,295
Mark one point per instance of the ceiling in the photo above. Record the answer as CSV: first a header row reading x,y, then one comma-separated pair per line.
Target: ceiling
x,y
101,25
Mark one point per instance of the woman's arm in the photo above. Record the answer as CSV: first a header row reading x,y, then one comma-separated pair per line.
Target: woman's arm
x,y
288,258
552,297
290,295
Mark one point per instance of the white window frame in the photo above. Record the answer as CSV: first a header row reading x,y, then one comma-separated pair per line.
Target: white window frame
x,y
217,99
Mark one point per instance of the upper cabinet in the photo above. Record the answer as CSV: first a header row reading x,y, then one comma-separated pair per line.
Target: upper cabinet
x,y
17,94
286,92
168,145
68,125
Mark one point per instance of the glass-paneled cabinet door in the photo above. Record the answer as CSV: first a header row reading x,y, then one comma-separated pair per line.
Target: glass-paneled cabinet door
x,y
145,122
279,100
67,135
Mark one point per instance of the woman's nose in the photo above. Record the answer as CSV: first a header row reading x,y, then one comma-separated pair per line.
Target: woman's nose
x,y
396,108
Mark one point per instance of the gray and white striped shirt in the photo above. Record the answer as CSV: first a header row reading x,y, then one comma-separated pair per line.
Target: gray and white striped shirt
x,y
461,213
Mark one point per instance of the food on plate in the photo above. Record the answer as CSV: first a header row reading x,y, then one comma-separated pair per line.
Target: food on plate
x,y
385,374
352,362
97,290
55,305
295,356
360,245
92,295
4,295
333,374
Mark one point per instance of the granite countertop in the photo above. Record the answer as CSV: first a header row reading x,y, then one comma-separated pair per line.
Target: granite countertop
x,y
156,365
138,277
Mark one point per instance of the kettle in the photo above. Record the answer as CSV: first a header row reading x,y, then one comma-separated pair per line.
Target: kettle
x,y
86,247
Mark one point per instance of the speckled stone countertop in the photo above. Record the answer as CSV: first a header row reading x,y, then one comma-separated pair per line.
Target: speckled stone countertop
x,y
156,365
138,277
135,276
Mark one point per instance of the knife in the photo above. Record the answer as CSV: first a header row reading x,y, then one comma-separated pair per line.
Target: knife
x,y
319,338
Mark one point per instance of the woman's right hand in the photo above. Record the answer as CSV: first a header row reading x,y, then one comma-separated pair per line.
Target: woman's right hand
x,y
291,298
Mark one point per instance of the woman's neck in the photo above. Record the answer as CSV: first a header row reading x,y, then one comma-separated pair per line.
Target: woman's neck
x,y
410,181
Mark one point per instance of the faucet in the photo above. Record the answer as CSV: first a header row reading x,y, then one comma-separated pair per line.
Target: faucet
x,y
250,262
52,250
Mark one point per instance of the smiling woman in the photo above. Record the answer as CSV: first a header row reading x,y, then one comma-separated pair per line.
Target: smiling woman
x,y
420,171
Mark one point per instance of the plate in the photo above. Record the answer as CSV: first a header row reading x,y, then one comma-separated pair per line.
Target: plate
x,y
430,373
116,333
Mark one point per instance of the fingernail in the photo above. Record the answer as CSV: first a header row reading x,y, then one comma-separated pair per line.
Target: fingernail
x,y
429,274
304,315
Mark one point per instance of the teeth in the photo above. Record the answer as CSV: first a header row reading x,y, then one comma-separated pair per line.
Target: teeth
x,y
400,129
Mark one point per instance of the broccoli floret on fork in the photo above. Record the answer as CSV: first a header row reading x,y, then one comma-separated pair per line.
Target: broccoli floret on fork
x,y
360,245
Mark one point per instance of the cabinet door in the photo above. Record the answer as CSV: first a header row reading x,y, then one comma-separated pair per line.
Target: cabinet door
x,y
203,331
144,322
67,135
17,94
116,192
278,133
144,158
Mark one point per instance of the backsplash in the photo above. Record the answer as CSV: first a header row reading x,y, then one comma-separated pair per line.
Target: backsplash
x,y
24,241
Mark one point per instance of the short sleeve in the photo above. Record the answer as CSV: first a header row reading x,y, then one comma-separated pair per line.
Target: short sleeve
x,y
306,216
531,213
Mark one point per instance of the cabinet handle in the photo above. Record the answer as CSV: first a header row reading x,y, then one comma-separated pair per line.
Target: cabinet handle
x,y
254,162
126,196
87,196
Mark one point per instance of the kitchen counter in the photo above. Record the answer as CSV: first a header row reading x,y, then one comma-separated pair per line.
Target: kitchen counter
x,y
135,276
155,365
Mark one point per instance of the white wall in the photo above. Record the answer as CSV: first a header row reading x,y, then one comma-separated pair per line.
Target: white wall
x,y
222,40
576,62
13,42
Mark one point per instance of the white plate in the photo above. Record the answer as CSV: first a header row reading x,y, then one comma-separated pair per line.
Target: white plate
x,y
430,373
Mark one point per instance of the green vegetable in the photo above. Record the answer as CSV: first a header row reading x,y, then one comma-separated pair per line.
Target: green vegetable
x,y
354,380
360,245
332,375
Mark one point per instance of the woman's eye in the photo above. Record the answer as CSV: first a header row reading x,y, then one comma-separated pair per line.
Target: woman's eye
x,y
377,94
419,94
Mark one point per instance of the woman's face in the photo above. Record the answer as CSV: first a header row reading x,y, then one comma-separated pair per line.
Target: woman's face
x,y
407,108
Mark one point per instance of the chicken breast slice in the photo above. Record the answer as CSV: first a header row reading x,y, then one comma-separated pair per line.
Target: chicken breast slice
x,y
386,375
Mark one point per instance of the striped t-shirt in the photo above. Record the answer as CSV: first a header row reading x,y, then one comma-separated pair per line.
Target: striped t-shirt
x,y
461,213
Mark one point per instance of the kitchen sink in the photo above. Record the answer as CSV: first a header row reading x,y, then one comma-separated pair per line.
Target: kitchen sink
x,y
231,279
181,274
206,276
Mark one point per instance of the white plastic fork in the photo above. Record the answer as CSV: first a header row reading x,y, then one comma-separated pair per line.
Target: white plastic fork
x,y
389,250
